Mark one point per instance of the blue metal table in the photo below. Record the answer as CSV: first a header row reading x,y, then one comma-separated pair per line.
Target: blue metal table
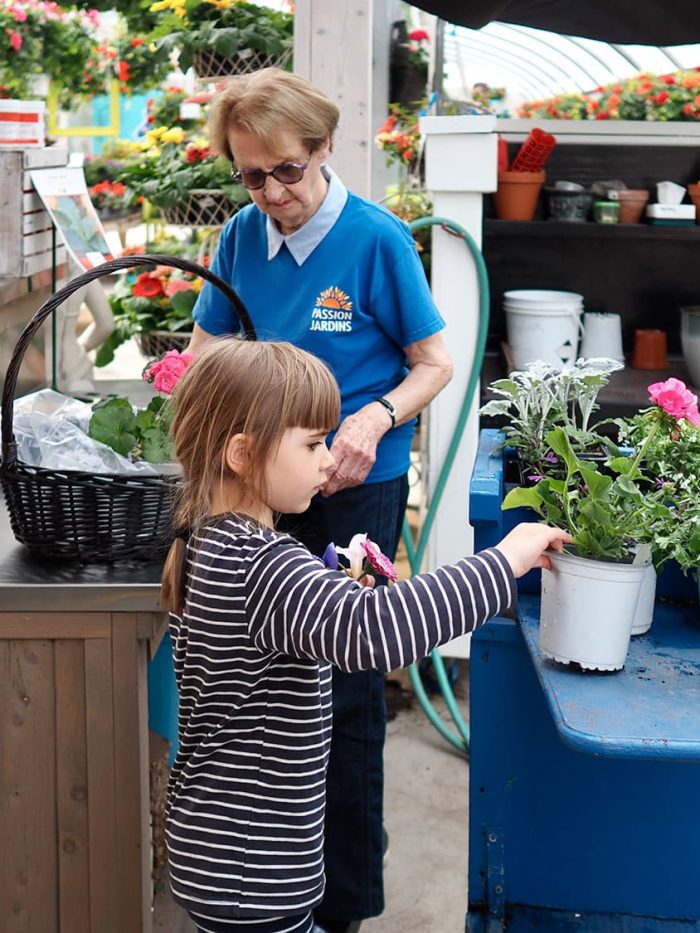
x,y
584,787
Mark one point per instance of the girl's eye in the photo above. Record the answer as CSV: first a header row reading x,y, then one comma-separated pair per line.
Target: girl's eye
x,y
314,445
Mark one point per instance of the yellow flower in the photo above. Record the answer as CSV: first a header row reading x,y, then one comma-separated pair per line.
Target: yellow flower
x,y
197,285
177,6
222,4
173,135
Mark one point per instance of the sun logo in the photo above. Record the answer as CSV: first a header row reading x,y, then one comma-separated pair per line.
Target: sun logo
x,y
334,298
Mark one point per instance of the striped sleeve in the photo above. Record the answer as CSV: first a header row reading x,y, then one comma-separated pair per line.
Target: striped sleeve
x,y
297,607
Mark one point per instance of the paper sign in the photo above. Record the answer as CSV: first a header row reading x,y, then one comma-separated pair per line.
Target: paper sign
x,y
65,196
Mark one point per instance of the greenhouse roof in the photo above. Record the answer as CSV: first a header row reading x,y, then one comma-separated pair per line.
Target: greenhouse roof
x,y
534,63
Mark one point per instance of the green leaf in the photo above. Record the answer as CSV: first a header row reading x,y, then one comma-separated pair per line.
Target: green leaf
x,y
528,497
157,446
598,484
183,302
560,444
113,423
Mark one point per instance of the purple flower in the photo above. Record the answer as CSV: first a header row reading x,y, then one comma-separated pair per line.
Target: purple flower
x,y
330,557
550,457
535,477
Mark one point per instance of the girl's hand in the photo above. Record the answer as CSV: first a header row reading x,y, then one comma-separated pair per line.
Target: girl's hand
x,y
524,547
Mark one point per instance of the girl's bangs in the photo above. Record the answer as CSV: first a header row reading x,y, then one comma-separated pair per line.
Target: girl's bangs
x,y
316,402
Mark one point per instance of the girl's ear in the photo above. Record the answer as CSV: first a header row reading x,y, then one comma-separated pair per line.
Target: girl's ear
x,y
237,459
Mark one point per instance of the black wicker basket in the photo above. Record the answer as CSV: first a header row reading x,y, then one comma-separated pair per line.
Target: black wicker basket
x,y
83,516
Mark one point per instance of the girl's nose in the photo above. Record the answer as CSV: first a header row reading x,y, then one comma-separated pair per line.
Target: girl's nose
x,y
329,460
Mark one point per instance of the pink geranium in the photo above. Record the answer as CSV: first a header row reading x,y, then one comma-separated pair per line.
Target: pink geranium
x,y
676,399
165,373
378,561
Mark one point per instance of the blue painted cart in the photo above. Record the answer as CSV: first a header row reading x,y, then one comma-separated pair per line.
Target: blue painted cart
x,y
584,788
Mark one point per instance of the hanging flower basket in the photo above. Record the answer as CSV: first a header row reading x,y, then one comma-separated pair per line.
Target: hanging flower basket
x,y
204,207
210,64
157,343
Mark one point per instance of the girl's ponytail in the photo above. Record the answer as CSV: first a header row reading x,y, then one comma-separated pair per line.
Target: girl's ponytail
x,y
172,587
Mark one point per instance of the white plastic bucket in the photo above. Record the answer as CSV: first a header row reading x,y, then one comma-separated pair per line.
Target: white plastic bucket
x,y
543,324
587,611
543,296
645,604
543,333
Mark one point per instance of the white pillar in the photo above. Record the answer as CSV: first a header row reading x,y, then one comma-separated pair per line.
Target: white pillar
x,y
461,154
333,45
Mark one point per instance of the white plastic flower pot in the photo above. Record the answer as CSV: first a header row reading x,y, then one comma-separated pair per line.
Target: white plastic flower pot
x,y
587,611
645,603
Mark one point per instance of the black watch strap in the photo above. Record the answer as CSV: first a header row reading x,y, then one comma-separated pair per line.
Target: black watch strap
x,y
389,407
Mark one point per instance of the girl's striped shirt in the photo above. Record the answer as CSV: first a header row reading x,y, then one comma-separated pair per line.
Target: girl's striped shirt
x,y
262,622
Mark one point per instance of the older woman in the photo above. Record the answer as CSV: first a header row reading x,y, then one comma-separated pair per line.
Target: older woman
x,y
340,277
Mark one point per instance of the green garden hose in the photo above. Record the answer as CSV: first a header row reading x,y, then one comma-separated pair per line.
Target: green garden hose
x,y
416,551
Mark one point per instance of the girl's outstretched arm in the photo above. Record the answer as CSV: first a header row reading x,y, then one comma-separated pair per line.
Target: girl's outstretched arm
x,y
297,607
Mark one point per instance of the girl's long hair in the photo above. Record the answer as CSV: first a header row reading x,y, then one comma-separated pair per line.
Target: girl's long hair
x,y
258,389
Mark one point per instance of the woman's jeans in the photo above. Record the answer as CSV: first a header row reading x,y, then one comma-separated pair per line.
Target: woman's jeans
x,y
355,780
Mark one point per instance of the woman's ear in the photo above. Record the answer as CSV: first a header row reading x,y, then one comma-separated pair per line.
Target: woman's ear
x,y
325,151
237,458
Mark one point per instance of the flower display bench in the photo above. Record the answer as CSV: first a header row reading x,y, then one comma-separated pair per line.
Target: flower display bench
x,y
584,804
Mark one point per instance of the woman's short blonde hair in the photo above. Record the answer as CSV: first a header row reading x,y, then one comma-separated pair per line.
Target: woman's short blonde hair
x,y
268,102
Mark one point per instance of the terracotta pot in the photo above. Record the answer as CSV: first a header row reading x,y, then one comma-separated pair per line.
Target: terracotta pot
x,y
694,192
632,204
517,194
650,350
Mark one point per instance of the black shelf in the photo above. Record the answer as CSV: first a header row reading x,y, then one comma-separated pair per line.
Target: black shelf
x,y
561,230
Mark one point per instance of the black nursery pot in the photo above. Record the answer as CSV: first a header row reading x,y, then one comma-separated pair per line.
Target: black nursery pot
x,y
570,206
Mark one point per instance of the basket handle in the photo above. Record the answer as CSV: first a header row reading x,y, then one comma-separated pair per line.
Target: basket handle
x,y
9,445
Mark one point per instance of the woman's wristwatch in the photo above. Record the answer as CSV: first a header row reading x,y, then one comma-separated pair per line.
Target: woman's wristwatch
x,y
389,407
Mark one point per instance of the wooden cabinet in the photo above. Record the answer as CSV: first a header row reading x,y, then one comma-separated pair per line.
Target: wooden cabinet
x,y
74,798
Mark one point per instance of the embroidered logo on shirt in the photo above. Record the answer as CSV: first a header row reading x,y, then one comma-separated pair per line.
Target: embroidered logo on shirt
x,y
333,311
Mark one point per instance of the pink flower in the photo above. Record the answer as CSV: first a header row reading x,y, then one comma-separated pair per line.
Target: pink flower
x,y
378,561
15,39
18,13
676,400
165,373
177,285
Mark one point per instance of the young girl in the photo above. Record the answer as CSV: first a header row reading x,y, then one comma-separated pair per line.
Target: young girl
x,y
256,623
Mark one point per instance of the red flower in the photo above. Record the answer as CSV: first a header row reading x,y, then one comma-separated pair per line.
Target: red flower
x,y
196,153
123,71
419,35
668,79
136,42
688,110
662,97
148,286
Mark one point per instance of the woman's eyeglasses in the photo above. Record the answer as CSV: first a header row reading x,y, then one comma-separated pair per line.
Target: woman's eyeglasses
x,y
286,173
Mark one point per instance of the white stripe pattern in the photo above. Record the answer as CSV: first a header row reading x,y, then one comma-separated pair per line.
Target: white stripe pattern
x,y
261,619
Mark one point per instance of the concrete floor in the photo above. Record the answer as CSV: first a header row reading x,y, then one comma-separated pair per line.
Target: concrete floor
x,y
426,818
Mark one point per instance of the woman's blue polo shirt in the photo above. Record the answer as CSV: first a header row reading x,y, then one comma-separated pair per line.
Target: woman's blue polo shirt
x,y
354,298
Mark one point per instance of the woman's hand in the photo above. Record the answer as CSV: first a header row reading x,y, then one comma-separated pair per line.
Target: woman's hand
x,y
354,447
524,547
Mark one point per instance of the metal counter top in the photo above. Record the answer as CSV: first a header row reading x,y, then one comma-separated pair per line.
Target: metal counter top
x,y
28,584
647,710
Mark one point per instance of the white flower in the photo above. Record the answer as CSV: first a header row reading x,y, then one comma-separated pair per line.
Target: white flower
x,y
356,554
